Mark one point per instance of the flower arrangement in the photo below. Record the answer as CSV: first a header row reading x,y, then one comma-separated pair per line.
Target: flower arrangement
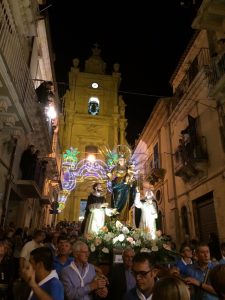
x,y
117,236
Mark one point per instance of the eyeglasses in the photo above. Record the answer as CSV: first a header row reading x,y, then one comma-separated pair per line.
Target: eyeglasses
x,y
141,273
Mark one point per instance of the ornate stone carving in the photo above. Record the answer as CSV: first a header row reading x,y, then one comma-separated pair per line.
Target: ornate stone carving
x,y
3,105
95,63
8,119
92,129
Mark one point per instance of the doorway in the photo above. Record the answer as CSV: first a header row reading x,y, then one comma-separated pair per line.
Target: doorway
x,y
205,217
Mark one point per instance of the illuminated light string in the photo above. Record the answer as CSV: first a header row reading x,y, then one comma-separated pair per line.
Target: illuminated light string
x,y
75,171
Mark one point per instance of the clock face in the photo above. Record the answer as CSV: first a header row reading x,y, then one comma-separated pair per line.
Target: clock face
x,y
94,85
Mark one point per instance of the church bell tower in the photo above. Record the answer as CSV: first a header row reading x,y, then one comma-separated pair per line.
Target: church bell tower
x,y
93,119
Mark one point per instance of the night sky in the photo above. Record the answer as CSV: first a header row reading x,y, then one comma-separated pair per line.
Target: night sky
x,y
147,39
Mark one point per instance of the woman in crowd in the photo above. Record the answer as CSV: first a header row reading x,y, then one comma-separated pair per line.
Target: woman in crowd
x,y
171,287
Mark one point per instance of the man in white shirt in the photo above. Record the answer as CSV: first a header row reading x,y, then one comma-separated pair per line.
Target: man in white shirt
x,y
36,242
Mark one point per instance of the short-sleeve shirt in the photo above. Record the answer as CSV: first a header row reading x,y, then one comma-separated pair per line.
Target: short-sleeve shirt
x,y
54,288
28,247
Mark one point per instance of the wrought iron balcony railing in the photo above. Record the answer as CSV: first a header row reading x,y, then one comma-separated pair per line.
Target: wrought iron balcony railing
x,y
188,159
153,171
216,70
200,63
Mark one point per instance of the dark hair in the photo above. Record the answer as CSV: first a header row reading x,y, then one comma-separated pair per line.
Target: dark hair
x,y
201,244
94,185
37,233
44,255
63,237
143,257
217,279
183,246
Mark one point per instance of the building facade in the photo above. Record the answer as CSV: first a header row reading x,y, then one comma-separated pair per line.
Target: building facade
x,y
93,120
185,159
26,66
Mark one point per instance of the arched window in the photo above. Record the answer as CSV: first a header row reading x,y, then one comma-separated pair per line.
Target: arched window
x,y
91,149
184,218
93,106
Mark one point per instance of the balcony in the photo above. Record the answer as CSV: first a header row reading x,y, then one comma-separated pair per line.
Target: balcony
x,y
198,68
33,186
17,84
216,75
190,161
154,173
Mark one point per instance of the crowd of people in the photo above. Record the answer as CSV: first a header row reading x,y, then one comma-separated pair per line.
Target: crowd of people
x,y
54,263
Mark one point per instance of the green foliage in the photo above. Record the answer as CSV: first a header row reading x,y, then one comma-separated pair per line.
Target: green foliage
x,y
112,158
71,155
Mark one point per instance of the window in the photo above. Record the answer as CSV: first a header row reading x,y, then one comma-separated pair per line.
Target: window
x,y
159,221
91,149
93,106
184,217
156,163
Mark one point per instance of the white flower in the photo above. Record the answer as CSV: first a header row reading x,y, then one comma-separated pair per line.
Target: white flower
x,y
119,225
138,243
125,230
115,239
108,237
105,250
121,237
145,250
92,247
155,248
111,212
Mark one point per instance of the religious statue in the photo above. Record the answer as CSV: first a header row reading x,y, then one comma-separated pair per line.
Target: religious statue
x,y
95,210
148,212
76,63
123,187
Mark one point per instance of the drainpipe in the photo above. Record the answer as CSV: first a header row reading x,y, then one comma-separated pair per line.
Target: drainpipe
x,y
176,211
5,199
